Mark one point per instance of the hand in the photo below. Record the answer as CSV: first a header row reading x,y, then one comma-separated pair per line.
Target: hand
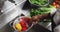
x,y
40,16
35,18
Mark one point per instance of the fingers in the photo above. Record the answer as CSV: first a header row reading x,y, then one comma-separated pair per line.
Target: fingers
x,y
35,18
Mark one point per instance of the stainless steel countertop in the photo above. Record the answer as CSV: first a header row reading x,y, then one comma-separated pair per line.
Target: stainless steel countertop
x,y
10,11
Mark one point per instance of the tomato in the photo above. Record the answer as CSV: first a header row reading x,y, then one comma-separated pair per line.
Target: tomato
x,y
54,6
53,3
57,6
26,19
24,28
23,24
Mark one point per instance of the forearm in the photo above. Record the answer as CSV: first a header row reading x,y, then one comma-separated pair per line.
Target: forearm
x,y
40,16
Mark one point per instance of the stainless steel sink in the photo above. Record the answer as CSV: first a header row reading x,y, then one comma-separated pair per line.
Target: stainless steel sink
x,y
38,28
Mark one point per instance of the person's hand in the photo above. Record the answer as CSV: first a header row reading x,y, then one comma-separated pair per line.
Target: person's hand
x,y
38,17
35,18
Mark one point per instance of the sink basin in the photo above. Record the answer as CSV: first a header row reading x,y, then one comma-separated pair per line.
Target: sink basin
x,y
38,28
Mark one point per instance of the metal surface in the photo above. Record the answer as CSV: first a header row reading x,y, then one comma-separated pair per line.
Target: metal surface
x,y
10,11
57,21
46,25
57,17
57,28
